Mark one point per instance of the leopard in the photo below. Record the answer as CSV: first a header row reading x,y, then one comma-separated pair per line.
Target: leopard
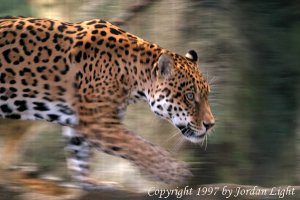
x,y
83,76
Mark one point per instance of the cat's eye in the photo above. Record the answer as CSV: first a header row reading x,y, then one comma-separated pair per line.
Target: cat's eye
x,y
190,96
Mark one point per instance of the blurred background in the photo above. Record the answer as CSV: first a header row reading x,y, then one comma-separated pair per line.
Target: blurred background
x,y
250,53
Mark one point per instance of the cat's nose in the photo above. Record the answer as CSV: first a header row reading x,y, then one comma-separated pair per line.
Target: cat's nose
x,y
208,125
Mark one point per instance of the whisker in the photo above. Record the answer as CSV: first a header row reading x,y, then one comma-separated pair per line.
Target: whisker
x,y
206,74
177,134
186,132
206,139
173,135
215,104
212,80
203,141
177,145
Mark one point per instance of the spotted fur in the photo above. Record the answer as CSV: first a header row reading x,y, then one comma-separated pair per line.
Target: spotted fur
x,y
83,75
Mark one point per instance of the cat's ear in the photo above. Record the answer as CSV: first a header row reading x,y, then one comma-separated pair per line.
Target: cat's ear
x,y
164,66
192,55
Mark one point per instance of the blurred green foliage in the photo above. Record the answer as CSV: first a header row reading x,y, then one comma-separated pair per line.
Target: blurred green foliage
x,y
14,8
272,79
